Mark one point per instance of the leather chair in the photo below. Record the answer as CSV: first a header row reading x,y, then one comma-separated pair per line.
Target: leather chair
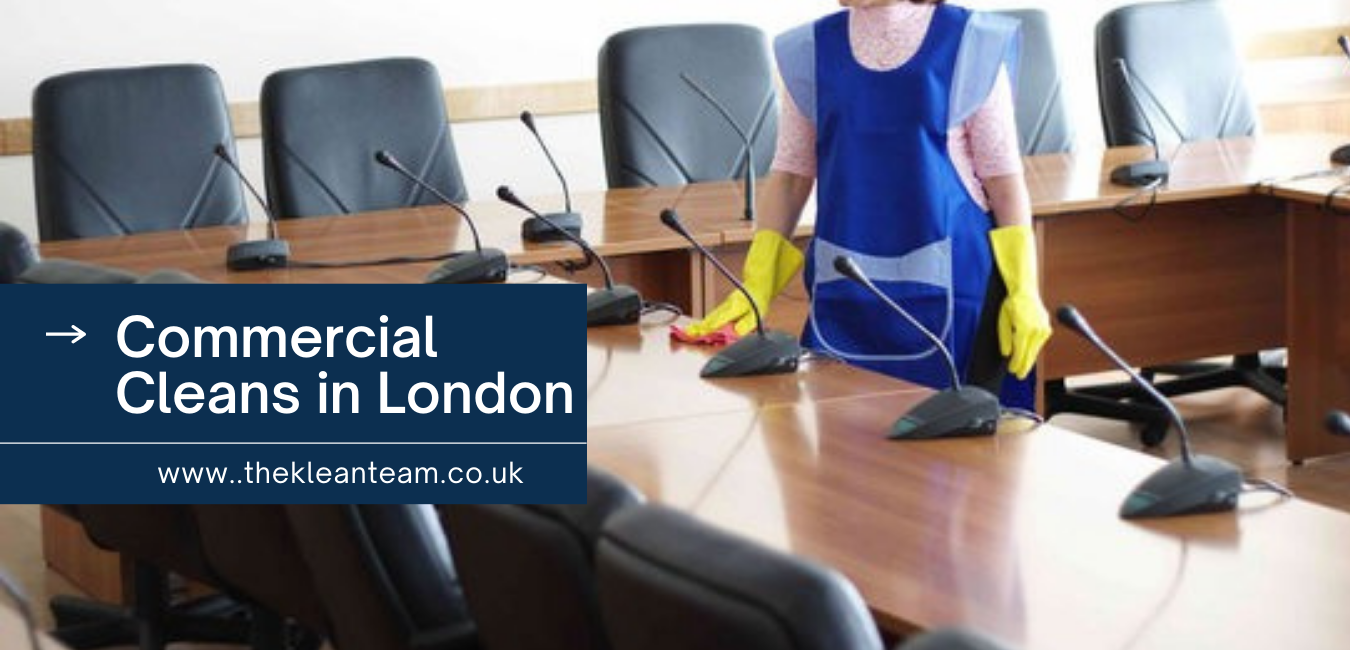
x,y
159,539
252,549
669,582
658,131
528,570
16,254
1187,71
384,576
322,126
117,152
1043,124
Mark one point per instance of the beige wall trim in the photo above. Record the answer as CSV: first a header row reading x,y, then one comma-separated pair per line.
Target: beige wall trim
x,y
464,105
1315,41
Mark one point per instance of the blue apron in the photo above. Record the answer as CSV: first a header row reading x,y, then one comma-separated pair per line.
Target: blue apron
x,y
890,197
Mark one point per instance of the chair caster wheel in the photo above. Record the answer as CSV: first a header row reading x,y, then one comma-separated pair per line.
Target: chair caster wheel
x,y
1153,434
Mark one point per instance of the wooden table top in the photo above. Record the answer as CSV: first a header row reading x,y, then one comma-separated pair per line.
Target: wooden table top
x,y
13,633
1016,535
621,222
625,222
637,374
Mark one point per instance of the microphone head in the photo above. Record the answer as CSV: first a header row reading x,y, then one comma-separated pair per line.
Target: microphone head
x,y
1344,42
527,118
221,151
504,193
847,267
1068,316
672,220
385,158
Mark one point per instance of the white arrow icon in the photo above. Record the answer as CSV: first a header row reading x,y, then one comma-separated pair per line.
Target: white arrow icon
x,y
78,334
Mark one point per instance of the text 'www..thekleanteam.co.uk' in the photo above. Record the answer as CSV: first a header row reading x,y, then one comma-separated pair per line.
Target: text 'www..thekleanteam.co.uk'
x,y
308,474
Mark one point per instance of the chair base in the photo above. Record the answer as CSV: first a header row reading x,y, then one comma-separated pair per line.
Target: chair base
x,y
1125,401
152,623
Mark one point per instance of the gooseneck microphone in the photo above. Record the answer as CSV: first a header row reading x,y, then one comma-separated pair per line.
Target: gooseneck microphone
x,y
765,352
745,141
957,411
481,265
1338,423
271,253
1189,485
1341,156
616,304
1147,172
560,224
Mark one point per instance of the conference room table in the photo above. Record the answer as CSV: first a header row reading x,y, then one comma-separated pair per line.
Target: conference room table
x,y
1016,534
14,632
1201,269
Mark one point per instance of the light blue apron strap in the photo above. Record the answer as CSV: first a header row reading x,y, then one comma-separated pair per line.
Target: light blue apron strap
x,y
931,264
795,50
991,41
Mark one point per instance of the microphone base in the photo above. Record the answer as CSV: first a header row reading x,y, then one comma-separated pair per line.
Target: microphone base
x,y
1208,484
770,353
953,413
536,230
1142,173
488,265
257,255
1341,155
617,305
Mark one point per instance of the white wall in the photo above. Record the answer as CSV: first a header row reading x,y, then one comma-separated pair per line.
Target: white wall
x,y
472,42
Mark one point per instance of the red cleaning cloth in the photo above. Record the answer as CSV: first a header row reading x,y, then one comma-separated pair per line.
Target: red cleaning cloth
x,y
724,336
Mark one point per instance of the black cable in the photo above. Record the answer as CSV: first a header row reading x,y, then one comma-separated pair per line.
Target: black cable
x,y
1016,413
529,268
653,306
1151,189
1329,202
385,261
1264,485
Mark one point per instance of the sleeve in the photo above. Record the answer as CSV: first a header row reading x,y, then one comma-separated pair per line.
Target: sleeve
x,y
994,149
991,43
795,51
796,152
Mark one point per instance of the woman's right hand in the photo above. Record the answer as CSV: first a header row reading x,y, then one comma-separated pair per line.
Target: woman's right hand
x,y
770,264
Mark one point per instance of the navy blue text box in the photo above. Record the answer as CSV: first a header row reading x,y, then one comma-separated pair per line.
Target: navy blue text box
x,y
513,348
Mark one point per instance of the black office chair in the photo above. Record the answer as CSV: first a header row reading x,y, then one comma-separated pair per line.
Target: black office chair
x,y
1187,71
159,539
252,549
117,152
668,582
1043,124
16,254
322,126
658,131
528,570
384,575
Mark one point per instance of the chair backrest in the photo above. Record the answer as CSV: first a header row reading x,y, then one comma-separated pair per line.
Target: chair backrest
x,y
669,582
123,151
16,254
251,548
1185,68
658,131
1043,124
528,571
322,126
384,575
165,536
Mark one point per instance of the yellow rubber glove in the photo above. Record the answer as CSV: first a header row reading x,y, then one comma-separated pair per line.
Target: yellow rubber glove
x,y
769,266
1023,323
